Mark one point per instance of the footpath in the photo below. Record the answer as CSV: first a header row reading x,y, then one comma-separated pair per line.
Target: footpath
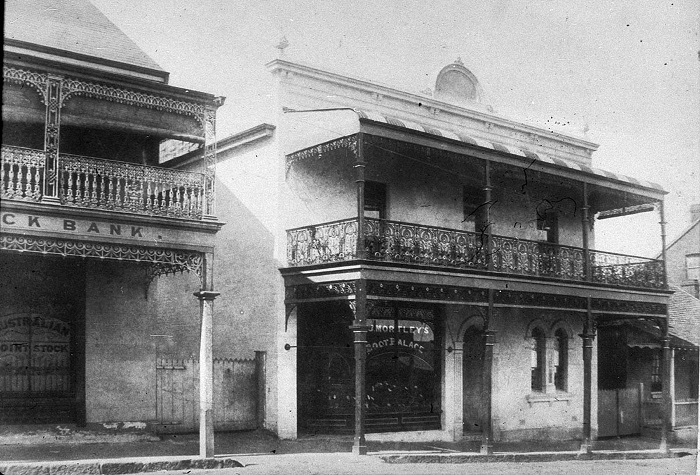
x,y
70,451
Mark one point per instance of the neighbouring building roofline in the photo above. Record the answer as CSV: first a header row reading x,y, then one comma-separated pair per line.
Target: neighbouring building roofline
x,y
680,236
27,50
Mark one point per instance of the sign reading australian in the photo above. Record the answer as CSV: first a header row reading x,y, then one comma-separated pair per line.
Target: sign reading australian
x,y
97,230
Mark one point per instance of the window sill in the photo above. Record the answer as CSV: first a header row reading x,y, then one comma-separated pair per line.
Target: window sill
x,y
550,398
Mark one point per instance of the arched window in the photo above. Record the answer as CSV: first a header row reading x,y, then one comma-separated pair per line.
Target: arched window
x,y
561,359
537,360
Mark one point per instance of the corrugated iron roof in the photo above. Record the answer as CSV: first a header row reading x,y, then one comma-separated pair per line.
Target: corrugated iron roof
x,y
75,26
684,316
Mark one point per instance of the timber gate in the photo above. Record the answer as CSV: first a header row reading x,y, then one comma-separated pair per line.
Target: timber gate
x,y
239,394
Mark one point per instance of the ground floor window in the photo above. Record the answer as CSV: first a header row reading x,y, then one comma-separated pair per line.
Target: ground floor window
x,y
537,359
561,359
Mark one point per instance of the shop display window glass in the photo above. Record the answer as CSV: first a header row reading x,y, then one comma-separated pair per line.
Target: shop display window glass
x,y
403,361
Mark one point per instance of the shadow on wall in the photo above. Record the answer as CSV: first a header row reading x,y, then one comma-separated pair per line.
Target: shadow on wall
x,y
247,275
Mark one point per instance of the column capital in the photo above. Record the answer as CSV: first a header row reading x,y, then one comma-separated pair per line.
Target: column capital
x,y
357,327
206,294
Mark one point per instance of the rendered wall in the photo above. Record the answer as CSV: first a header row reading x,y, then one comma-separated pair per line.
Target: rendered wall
x,y
518,412
250,309
422,192
120,352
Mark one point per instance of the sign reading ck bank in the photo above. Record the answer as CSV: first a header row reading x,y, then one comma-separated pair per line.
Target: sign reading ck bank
x,y
100,230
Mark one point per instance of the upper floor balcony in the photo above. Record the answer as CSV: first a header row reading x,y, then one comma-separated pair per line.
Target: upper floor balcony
x,y
395,242
100,184
421,198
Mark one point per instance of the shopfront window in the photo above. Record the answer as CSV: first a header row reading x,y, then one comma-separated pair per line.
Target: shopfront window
x,y
402,368
402,361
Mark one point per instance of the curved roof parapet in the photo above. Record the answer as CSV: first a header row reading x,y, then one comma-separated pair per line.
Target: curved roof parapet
x,y
457,85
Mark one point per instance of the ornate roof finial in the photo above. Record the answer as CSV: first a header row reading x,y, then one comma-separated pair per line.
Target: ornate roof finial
x,y
282,45
459,61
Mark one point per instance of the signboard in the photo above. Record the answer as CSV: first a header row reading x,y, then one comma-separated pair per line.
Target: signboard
x,y
112,230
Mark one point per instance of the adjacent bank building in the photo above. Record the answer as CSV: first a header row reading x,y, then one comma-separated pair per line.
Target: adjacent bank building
x,y
93,220
418,267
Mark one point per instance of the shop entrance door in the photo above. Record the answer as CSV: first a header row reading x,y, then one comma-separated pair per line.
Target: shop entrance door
x,y
472,379
41,350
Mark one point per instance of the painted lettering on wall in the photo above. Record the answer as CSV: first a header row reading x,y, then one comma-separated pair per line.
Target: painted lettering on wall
x,y
35,351
71,225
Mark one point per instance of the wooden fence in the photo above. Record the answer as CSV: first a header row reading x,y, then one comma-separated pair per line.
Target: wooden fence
x,y
239,394
685,413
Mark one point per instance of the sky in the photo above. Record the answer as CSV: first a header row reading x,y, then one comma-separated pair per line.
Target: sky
x,y
623,74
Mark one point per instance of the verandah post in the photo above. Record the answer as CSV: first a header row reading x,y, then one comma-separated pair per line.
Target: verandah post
x,y
360,328
588,337
667,402
359,166
487,380
206,298
586,226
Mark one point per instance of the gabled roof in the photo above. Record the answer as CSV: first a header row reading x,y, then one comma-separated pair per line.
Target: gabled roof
x,y
681,235
684,324
72,28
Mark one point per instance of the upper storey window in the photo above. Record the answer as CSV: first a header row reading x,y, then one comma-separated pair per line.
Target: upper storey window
x,y
474,208
692,266
548,222
375,199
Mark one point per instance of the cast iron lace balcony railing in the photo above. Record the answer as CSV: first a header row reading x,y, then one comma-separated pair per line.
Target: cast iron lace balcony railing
x,y
393,241
22,173
334,241
87,182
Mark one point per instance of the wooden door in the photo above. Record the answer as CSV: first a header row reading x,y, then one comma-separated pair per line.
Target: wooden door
x,y
41,340
472,379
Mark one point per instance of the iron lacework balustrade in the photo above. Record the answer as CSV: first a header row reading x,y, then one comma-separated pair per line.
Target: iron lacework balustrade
x,y
87,182
393,241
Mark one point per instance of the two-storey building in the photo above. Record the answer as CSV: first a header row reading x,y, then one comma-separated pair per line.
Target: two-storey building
x,y
438,277
93,218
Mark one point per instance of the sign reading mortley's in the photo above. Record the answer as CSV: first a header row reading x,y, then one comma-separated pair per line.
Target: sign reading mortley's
x,y
112,230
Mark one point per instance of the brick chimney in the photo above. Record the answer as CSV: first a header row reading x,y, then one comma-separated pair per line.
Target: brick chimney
x,y
694,212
